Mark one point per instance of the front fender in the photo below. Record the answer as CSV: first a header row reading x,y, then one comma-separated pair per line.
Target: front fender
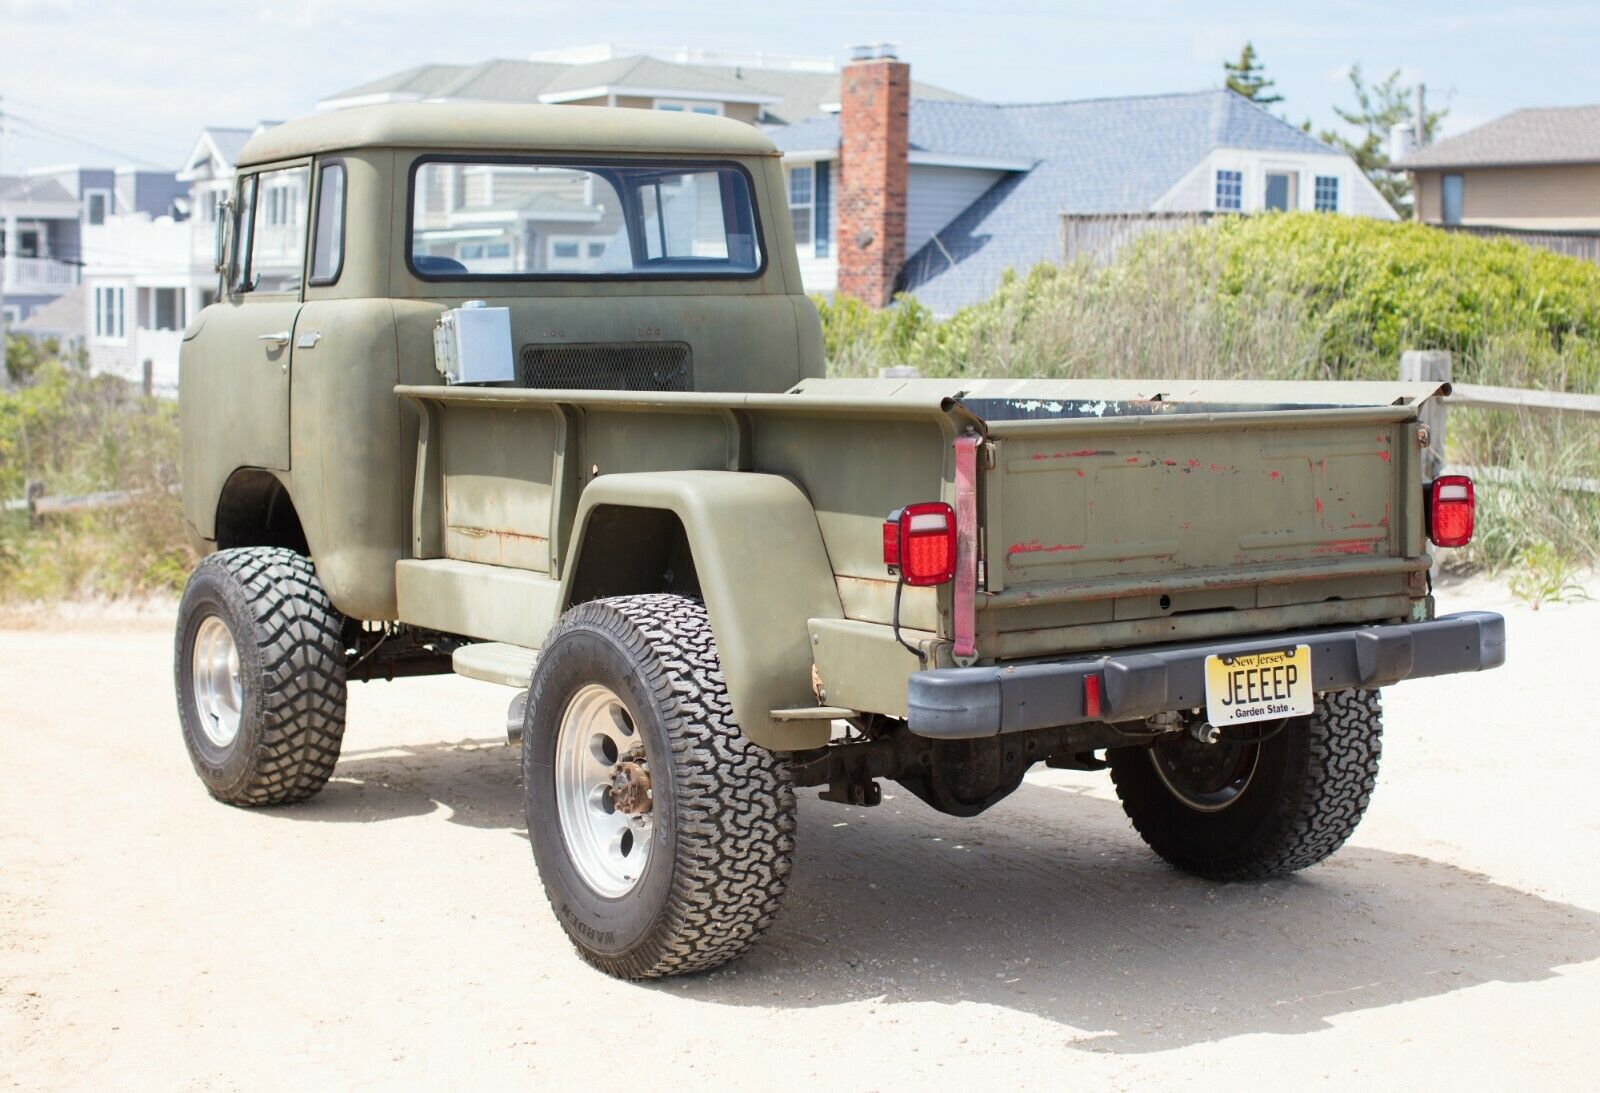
x,y
763,571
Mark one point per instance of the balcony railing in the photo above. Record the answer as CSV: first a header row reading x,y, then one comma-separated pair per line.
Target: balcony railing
x,y
37,275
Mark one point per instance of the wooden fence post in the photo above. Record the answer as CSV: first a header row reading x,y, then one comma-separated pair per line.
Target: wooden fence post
x,y
148,381
1429,366
32,490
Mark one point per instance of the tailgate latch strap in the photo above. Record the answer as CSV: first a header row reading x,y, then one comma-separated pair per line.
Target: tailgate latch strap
x,y
964,595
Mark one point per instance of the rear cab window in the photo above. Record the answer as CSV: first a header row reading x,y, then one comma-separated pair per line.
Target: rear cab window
x,y
327,238
522,219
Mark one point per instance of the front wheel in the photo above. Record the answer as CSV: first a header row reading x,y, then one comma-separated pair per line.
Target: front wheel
x,y
260,669
1238,810
663,836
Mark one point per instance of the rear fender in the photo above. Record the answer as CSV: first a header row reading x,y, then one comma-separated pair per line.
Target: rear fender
x,y
761,568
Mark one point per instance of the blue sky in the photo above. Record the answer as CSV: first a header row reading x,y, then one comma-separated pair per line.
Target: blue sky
x,y
110,81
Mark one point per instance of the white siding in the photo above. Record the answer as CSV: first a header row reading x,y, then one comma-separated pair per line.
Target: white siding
x,y
937,195
1196,191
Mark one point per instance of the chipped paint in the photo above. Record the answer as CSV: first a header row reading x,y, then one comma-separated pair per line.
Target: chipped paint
x,y
1347,546
1034,546
1081,454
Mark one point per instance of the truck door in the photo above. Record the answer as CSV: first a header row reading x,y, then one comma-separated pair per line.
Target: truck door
x,y
236,360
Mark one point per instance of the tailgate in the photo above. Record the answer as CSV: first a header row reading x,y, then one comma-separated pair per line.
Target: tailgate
x,y
1169,524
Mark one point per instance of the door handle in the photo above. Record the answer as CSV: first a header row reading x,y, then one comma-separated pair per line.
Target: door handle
x,y
278,339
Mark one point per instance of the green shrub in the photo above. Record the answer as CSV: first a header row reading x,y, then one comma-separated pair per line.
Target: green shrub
x,y
1302,296
86,434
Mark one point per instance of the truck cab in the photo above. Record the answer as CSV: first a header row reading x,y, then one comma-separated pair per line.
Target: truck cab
x,y
634,252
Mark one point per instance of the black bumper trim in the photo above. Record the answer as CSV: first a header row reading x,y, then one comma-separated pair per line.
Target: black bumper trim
x,y
963,703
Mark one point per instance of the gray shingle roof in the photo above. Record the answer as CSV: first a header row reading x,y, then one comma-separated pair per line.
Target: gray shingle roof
x,y
23,188
969,129
1095,156
229,141
1556,134
800,95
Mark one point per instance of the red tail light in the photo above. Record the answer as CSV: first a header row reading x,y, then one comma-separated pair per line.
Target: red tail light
x,y
1450,510
919,542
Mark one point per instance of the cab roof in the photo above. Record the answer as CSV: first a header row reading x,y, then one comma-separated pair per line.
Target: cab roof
x,y
505,127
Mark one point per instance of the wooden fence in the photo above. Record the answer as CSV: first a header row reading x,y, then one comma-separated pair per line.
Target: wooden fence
x,y
1100,237
1574,244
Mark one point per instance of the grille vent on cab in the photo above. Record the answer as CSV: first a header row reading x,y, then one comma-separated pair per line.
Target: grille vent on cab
x,y
629,366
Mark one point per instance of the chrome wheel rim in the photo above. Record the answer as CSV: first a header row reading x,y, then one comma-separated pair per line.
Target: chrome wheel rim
x,y
599,761
218,686
1205,777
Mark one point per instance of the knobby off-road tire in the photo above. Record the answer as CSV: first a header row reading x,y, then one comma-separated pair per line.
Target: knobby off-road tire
x,y
1305,791
720,841
288,695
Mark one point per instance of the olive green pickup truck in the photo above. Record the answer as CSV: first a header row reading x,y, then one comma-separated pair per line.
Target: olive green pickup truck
x,y
534,395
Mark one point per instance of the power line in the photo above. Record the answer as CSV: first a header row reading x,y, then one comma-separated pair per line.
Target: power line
x,y
89,124
48,133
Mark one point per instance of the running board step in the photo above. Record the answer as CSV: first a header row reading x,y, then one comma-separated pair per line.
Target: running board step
x,y
495,662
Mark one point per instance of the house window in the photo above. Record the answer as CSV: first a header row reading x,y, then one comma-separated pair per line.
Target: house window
x,y
1452,190
282,204
575,253
108,306
1325,194
802,203
96,206
684,107
823,229
210,205
1230,191
168,309
1282,191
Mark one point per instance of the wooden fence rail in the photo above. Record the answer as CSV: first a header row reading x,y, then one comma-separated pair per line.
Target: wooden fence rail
x,y
1435,366
38,505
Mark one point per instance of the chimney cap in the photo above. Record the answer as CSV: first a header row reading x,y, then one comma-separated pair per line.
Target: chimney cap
x,y
875,51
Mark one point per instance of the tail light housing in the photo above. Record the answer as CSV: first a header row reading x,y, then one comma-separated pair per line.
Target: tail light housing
x,y
1451,506
919,543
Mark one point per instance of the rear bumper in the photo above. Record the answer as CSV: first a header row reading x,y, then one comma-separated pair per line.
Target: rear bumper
x,y
961,703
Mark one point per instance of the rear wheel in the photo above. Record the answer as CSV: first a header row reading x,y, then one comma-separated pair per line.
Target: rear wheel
x,y
1236,810
663,836
260,676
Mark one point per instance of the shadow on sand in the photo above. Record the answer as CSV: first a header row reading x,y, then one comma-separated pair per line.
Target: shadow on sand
x,y
1049,904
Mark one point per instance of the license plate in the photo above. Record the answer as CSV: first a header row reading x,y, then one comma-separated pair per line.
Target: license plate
x,y
1255,686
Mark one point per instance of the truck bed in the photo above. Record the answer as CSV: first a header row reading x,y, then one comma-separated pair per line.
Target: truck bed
x,y
1110,514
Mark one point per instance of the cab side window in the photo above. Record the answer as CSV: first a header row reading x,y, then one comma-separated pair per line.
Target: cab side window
x,y
243,220
270,255
327,246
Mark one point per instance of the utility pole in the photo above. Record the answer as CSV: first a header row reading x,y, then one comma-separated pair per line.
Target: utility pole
x,y
1419,116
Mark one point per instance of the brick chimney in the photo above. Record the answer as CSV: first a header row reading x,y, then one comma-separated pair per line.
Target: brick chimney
x,y
874,107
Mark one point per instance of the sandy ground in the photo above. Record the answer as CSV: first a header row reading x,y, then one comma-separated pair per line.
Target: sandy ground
x,y
392,932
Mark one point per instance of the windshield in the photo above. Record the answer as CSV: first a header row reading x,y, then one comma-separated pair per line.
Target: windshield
x,y
520,219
